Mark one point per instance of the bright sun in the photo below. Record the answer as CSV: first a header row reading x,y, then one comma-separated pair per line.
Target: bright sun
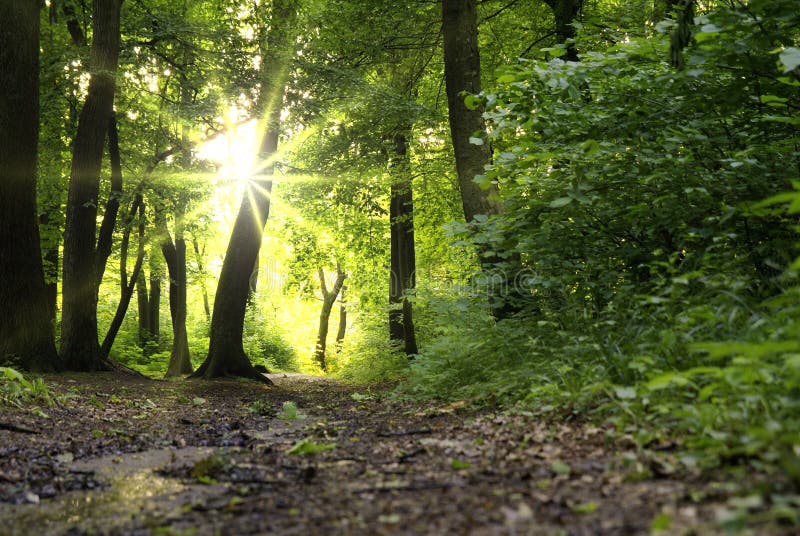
x,y
235,149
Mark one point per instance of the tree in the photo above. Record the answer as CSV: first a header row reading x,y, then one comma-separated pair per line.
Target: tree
x,y
462,70
175,256
226,354
26,333
403,258
80,349
328,299
565,12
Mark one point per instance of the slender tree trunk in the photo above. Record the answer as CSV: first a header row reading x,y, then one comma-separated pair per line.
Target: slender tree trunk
x,y
125,298
226,354
202,272
328,299
26,334
403,257
462,71
565,13
154,300
143,307
175,256
79,346
342,331
105,236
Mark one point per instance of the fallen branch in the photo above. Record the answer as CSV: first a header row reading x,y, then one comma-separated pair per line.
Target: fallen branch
x,y
15,428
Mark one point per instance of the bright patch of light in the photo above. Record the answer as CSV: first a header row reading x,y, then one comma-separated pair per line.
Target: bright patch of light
x,y
235,150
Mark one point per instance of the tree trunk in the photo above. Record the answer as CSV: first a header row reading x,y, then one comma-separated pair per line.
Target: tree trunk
x,y
342,331
143,307
105,236
154,300
26,334
127,293
462,72
403,257
226,354
175,256
565,13
202,272
328,299
50,242
79,346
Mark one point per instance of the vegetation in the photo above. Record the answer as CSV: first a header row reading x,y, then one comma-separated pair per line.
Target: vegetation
x,y
586,210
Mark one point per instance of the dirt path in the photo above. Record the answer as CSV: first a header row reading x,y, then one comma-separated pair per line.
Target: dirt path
x,y
125,456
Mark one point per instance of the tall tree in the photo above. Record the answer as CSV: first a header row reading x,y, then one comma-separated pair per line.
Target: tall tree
x,y
226,354
402,253
462,71
175,256
328,299
565,13
80,349
25,329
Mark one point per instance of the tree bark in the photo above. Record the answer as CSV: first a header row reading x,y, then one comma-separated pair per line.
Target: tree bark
x,y
565,13
342,331
226,354
105,237
79,345
175,256
26,334
328,299
462,72
402,254
125,298
202,272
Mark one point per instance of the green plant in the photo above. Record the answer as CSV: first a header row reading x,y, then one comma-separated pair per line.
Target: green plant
x,y
18,391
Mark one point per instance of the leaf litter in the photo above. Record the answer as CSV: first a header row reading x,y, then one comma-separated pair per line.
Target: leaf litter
x,y
134,456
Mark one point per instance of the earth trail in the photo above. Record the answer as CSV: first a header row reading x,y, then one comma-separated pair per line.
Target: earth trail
x,y
314,456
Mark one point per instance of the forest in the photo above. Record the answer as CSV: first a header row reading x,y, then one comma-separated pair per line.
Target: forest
x,y
351,261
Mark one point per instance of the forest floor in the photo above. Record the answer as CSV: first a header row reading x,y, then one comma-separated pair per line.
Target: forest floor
x,y
120,455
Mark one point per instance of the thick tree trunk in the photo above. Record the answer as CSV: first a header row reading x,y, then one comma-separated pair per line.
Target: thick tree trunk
x,y
175,256
565,13
79,346
462,71
26,334
328,299
403,257
226,354
50,241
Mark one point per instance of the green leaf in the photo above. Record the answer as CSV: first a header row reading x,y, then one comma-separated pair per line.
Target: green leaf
x,y
585,508
458,465
661,522
307,447
560,202
198,401
790,58
662,381
625,393
560,468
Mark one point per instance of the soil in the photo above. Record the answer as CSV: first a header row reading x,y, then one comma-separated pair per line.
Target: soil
x,y
121,455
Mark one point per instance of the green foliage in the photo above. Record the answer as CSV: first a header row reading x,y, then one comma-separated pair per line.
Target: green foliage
x,y
306,447
290,412
656,288
16,390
